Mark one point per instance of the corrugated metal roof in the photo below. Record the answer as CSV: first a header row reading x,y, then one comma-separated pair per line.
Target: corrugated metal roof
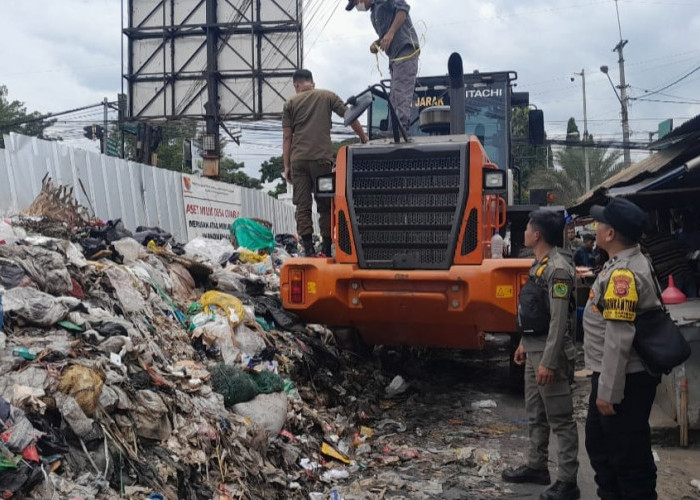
x,y
682,146
636,172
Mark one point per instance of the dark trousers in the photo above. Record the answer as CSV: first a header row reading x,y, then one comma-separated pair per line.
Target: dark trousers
x,y
619,446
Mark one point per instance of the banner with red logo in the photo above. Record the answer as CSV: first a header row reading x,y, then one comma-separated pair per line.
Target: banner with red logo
x,y
210,206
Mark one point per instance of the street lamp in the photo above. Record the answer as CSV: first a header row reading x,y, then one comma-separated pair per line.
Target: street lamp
x,y
586,166
622,98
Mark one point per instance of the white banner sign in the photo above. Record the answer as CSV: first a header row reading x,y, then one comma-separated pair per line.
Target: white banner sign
x,y
210,207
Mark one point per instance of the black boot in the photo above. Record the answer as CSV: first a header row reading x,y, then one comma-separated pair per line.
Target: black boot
x,y
561,490
308,243
525,474
608,495
326,248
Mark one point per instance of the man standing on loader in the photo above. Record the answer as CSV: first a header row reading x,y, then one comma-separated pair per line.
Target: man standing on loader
x,y
308,153
399,41
546,348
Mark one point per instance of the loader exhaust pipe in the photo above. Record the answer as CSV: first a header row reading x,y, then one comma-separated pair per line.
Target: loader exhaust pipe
x,y
457,95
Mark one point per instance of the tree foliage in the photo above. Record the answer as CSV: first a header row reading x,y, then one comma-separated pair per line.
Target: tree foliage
x,y
14,118
272,170
170,149
568,177
232,172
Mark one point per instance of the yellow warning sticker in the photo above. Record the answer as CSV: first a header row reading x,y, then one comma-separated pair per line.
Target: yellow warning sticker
x,y
620,299
311,287
504,291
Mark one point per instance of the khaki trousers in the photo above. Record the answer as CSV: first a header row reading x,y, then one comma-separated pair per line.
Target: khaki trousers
x,y
550,407
304,174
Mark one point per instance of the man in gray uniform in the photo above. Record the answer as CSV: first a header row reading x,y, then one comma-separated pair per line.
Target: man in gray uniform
x,y
545,322
398,39
618,437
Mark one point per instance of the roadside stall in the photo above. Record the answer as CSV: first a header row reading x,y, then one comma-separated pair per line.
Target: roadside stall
x,y
666,185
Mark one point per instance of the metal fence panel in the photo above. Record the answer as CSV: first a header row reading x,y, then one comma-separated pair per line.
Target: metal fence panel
x,y
7,198
112,188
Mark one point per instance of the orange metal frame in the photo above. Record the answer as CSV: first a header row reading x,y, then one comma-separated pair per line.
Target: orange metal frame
x,y
446,308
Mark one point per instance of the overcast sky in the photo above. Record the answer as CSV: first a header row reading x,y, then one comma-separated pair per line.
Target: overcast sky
x,y
59,55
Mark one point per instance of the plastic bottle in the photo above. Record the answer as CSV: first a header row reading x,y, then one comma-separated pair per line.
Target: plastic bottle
x,y
23,352
496,246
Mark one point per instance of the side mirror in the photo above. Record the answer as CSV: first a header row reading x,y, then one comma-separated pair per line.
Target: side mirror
x,y
536,127
358,105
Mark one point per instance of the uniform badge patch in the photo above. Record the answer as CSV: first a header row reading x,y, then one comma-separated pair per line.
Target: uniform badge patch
x,y
620,299
560,290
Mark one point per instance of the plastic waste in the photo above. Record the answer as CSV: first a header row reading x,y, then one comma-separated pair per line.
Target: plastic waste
x,y
218,332
36,307
496,245
2,314
248,256
253,235
487,403
23,352
84,384
397,386
151,416
229,305
7,234
672,295
215,251
268,411
329,451
10,274
334,475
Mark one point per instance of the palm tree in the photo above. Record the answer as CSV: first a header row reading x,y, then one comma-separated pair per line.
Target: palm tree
x,y
568,177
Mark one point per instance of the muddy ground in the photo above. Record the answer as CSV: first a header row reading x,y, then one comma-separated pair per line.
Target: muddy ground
x,y
462,421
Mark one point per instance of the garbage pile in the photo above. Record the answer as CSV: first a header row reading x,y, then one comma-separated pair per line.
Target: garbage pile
x,y
132,366
135,367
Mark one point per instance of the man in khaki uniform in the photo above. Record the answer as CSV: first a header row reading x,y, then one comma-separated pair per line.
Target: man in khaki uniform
x,y
308,153
545,322
618,437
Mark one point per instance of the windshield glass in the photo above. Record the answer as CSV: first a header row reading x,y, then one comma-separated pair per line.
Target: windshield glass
x,y
486,114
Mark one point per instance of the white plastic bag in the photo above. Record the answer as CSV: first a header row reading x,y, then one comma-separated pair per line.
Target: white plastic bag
x,y
215,251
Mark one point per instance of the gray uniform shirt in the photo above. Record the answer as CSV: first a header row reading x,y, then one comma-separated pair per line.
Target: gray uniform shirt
x,y
625,287
557,347
383,13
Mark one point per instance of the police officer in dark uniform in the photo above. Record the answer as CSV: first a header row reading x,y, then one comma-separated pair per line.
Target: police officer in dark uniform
x,y
545,321
618,437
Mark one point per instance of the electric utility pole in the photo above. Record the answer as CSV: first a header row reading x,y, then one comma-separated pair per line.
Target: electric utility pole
x,y
586,166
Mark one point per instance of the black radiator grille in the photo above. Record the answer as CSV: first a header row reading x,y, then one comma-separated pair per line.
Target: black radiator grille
x,y
471,235
344,234
405,207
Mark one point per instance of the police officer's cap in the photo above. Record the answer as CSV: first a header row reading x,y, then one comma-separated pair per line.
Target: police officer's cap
x,y
624,216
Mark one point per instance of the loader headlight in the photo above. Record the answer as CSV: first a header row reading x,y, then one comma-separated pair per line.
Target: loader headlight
x,y
325,186
494,180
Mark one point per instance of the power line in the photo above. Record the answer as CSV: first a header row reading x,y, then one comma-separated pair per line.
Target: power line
x,y
48,116
652,92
